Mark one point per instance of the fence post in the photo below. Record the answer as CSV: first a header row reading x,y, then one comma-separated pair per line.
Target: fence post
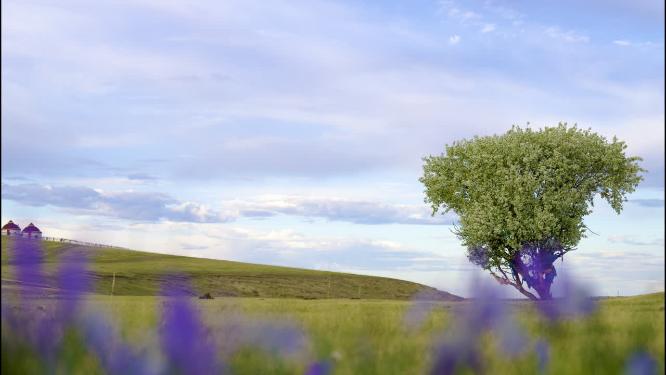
x,y
113,283
329,286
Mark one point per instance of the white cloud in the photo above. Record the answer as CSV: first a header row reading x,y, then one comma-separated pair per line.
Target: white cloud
x,y
633,240
337,209
155,206
653,203
627,43
569,36
130,205
487,28
355,95
452,10
285,247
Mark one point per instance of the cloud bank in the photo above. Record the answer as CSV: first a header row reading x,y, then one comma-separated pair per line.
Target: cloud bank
x,y
153,206
131,205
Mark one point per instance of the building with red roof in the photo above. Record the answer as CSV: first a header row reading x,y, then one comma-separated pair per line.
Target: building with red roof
x,y
11,229
31,231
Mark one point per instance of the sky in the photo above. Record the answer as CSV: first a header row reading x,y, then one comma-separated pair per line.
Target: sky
x,y
292,133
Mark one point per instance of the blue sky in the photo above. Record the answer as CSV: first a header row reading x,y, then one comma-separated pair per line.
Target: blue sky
x,y
292,132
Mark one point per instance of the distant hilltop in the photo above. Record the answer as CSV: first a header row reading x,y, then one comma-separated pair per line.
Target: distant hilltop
x,y
11,229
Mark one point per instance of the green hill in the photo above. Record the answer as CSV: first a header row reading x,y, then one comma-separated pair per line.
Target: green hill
x,y
140,273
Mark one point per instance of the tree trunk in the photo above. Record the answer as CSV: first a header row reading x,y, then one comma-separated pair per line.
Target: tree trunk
x,y
538,276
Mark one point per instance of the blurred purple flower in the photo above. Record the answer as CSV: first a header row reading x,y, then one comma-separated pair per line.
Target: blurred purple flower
x,y
456,353
73,282
319,368
186,342
185,339
282,337
31,320
43,325
574,302
113,355
418,311
512,339
28,260
461,347
641,363
486,310
542,350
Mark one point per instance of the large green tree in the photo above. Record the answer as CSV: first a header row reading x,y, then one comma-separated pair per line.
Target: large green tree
x,y
521,197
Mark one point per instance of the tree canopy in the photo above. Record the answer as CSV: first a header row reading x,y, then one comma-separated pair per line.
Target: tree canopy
x,y
527,192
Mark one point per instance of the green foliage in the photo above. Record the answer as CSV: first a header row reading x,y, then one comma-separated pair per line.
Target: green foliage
x,y
526,186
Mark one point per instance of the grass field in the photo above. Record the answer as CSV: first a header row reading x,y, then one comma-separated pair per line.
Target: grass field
x,y
258,335
139,273
369,337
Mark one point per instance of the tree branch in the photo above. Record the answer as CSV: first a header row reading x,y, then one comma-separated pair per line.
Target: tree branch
x,y
504,280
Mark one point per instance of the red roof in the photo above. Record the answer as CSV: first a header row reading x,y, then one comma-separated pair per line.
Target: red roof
x,y
31,228
10,226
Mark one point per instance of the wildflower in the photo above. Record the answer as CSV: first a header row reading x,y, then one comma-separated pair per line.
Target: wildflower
x,y
319,368
28,260
72,283
461,347
283,337
512,340
184,337
459,351
641,363
542,350
113,354
421,306
574,302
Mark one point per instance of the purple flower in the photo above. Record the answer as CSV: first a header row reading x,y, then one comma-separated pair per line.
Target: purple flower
x,y
280,337
43,324
574,302
486,310
456,353
461,346
113,354
319,368
284,338
185,339
641,363
28,260
489,312
542,350
512,339
31,320
73,282
418,311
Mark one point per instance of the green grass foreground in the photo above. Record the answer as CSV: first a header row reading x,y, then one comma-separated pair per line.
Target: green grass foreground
x,y
139,273
358,336
369,337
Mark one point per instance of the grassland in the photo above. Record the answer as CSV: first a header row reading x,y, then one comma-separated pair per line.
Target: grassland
x,y
369,337
356,336
140,273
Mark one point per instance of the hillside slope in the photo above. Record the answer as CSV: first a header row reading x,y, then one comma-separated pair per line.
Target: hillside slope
x,y
141,273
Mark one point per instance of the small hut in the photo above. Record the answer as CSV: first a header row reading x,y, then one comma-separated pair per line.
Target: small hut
x,y
31,231
11,229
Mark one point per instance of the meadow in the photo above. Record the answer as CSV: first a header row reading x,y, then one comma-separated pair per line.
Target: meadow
x,y
371,337
351,335
139,273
